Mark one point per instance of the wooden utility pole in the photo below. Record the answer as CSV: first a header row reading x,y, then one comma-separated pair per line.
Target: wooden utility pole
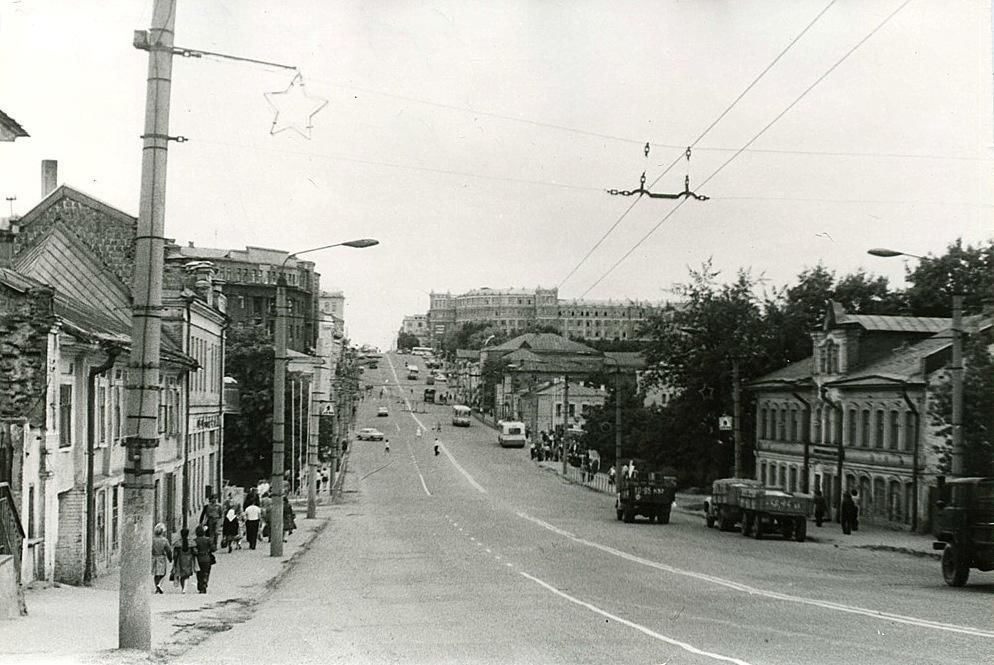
x,y
737,416
312,454
134,612
956,372
279,424
565,420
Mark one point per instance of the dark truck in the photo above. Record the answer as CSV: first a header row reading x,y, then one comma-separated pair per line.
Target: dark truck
x,y
964,527
769,510
650,495
722,507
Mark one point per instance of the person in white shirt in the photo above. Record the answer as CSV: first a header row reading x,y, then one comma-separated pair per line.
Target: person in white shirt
x,y
252,515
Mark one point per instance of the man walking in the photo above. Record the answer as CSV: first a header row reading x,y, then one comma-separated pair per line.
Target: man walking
x,y
210,516
849,514
436,446
252,514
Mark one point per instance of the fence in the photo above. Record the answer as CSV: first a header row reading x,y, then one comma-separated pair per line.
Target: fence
x,y
11,537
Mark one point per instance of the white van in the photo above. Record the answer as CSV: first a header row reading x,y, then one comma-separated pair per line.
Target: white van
x,y
512,434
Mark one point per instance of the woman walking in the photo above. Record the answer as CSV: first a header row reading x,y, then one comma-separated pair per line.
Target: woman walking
x,y
229,530
205,558
184,559
161,555
289,519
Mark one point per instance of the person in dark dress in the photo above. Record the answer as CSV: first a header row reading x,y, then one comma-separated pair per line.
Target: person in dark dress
x,y
229,529
184,557
821,507
849,514
205,558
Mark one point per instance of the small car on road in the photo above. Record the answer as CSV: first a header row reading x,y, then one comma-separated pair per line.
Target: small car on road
x,y
382,412
369,434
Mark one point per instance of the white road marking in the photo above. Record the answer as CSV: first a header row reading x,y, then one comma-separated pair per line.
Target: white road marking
x,y
775,595
631,624
407,402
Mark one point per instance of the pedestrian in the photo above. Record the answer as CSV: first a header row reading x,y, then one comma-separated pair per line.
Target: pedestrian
x,y
624,471
386,446
161,555
184,560
266,505
436,446
821,507
229,529
289,518
205,558
210,517
610,475
252,515
849,514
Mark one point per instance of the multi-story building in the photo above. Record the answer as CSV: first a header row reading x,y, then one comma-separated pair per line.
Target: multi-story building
x,y
417,325
855,414
514,310
250,277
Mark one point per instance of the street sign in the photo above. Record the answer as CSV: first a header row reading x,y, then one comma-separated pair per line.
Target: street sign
x,y
725,423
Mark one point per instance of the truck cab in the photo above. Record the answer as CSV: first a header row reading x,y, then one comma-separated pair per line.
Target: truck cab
x,y
964,527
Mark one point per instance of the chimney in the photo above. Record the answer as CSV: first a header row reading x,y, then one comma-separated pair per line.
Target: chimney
x,y
49,176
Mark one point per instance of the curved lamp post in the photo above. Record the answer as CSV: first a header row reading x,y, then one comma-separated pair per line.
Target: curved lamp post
x,y
279,398
955,371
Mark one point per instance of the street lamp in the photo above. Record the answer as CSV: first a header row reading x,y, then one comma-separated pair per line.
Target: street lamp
x,y
955,368
279,425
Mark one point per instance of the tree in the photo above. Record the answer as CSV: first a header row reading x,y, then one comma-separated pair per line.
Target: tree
x,y
407,341
967,270
491,374
978,411
249,359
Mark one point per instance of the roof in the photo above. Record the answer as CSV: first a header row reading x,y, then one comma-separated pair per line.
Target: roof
x,y
796,371
838,316
626,359
546,343
10,129
260,255
575,389
487,291
467,354
67,192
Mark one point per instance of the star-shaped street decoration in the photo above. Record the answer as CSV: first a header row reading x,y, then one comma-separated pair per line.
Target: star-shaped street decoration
x,y
294,108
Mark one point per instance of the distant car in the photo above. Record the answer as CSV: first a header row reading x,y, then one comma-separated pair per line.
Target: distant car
x,y
382,412
369,434
441,378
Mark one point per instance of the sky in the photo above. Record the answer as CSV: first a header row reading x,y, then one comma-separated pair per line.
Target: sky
x,y
475,140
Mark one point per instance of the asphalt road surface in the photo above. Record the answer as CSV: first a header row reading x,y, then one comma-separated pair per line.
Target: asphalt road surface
x,y
477,555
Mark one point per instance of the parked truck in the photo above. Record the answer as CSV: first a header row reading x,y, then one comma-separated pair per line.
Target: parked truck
x,y
964,527
649,494
769,510
722,507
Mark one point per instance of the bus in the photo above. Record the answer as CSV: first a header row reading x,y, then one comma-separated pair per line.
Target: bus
x,y
412,372
461,416
421,351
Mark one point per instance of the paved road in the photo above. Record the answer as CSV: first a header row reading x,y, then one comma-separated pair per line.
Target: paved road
x,y
479,556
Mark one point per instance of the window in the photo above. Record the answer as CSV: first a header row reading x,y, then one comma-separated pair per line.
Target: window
x,y
101,522
115,516
31,511
764,424
894,433
65,415
115,424
102,416
817,426
782,425
793,425
851,434
878,439
864,426
910,430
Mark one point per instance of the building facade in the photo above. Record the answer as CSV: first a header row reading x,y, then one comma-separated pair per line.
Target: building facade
x,y
542,407
515,310
250,277
417,325
855,415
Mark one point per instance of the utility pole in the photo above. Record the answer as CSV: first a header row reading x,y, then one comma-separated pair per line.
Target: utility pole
x,y
737,416
956,372
312,456
565,420
617,422
279,424
134,611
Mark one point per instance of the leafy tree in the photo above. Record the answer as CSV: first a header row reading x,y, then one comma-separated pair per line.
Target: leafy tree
x,y
968,270
978,411
407,341
491,374
249,359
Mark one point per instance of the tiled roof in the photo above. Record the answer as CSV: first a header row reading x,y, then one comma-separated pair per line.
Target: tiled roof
x,y
575,389
625,359
912,324
11,127
546,343
802,369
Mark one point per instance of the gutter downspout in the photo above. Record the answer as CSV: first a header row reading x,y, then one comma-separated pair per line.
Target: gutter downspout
x,y
186,419
220,408
914,458
112,352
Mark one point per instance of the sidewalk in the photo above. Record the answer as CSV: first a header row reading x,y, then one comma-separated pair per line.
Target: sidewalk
x,y
869,536
67,624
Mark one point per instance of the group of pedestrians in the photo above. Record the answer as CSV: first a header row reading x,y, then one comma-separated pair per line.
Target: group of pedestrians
x,y
231,521
848,511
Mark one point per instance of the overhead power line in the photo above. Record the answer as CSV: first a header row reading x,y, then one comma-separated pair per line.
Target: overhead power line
x,y
700,136
748,143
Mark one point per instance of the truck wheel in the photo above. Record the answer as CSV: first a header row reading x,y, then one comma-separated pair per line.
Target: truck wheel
x,y
746,525
757,528
663,517
709,520
629,516
800,529
618,511
955,570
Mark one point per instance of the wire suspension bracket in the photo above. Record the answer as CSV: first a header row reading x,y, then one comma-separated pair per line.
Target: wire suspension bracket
x,y
642,191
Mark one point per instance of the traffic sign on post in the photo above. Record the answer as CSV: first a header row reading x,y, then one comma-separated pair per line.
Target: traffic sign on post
x,y
725,423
